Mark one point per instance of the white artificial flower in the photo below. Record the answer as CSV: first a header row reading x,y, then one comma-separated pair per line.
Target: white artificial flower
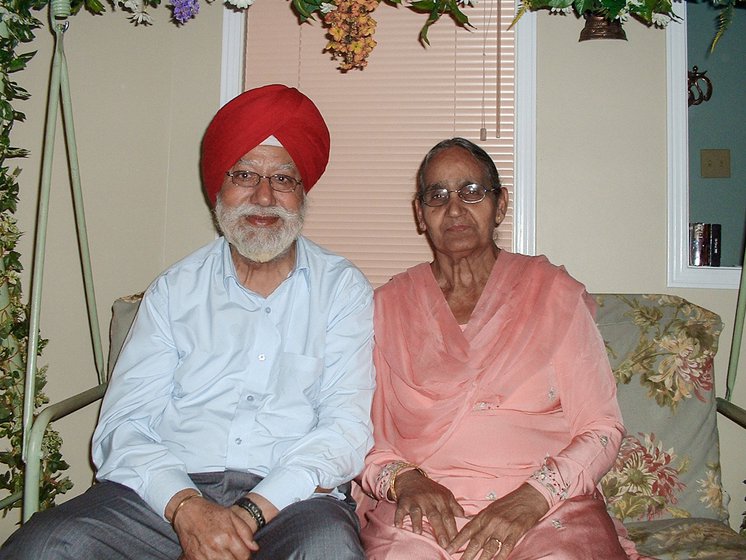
x,y
661,20
468,2
561,11
327,7
241,4
131,5
141,18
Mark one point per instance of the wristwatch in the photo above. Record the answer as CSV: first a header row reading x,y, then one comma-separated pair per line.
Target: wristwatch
x,y
254,510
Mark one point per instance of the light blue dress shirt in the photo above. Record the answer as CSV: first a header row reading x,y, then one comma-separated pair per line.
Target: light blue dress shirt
x,y
214,377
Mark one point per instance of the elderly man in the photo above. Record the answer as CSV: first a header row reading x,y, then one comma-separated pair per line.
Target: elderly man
x,y
239,407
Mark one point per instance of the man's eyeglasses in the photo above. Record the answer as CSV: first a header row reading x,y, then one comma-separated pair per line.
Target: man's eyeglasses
x,y
470,193
278,182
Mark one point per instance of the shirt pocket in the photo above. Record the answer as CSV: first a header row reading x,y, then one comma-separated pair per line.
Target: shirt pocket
x,y
291,404
298,379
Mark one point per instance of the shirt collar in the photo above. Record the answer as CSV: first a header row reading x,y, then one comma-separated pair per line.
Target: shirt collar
x,y
301,262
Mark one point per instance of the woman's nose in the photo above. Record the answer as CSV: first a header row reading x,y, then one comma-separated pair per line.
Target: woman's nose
x,y
455,205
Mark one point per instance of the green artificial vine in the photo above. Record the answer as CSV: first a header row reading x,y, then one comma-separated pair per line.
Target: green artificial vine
x,y
17,25
726,12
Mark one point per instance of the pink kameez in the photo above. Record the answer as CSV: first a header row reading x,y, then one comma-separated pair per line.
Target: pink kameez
x,y
522,393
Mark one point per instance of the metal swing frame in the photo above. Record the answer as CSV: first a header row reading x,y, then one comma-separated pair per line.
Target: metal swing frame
x,y
34,427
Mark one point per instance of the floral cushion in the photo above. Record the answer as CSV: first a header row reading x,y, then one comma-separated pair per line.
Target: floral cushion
x,y
665,485
681,539
661,349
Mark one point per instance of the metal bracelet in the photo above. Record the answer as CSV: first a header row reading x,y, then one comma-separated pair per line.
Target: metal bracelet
x,y
402,468
182,502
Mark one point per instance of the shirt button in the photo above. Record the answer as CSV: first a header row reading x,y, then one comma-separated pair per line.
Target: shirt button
x,y
250,398
268,310
261,357
238,441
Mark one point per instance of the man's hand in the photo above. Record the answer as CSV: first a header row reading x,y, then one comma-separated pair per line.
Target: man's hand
x,y
418,497
497,528
208,531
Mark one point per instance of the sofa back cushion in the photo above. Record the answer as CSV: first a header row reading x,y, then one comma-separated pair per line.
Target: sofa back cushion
x,y
123,313
661,350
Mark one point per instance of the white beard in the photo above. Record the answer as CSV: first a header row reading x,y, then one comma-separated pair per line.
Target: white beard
x,y
259,244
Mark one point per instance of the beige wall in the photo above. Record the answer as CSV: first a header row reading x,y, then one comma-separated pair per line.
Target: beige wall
x,y
143,96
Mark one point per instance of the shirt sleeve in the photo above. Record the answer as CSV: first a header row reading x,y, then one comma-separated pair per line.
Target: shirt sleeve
x,y
333,452
588,397
126,447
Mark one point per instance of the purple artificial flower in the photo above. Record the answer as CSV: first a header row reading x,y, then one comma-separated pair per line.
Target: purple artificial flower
x,y
184,10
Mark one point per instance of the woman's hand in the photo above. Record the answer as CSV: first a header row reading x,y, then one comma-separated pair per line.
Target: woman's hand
x,y
497,528
418,497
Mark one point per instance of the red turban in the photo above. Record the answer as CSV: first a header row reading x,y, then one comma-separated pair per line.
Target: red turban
x,y
243,123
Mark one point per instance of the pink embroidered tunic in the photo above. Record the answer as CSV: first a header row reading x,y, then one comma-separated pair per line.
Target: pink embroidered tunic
x,y
521,394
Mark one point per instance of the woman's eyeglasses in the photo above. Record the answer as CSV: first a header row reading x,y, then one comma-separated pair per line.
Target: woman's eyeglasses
x,y
470,193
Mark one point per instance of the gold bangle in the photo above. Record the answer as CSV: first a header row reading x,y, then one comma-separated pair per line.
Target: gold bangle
x,y
181,503
405,467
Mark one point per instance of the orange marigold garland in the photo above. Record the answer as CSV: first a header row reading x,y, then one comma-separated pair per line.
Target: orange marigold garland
x,y
351,30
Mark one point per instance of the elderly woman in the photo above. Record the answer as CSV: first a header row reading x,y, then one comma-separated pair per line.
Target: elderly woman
x,y
495,413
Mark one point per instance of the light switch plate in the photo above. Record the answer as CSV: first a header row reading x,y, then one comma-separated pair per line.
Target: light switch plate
x,y
714,164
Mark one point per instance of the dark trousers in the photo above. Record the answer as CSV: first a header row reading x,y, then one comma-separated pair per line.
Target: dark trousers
x,y
111,522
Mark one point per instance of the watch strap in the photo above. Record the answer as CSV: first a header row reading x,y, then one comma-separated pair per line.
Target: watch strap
x,y
254,510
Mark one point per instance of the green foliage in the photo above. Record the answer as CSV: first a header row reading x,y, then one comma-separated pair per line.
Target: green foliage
x,y
725,18
650,12
17,25
433,8
306,8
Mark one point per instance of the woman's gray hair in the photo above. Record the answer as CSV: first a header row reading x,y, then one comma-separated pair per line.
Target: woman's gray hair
x,y
457,142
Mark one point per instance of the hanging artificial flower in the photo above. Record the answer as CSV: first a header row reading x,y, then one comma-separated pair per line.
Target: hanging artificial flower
x,y
351,26
351,30
184,10
139,15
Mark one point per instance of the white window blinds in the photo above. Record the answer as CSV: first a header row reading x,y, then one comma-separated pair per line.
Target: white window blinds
x,y
384,119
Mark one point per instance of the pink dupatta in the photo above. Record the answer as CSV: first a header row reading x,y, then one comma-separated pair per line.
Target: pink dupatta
x,y
436,368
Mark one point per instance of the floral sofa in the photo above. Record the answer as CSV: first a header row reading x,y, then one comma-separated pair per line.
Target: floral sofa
x,y
665,485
